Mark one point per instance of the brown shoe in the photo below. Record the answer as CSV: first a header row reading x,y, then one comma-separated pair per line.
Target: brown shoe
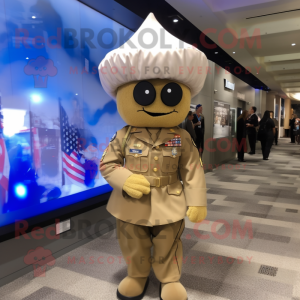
x,y
132,288
172,291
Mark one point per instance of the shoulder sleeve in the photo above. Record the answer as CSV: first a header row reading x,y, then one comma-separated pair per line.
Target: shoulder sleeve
x,y
112,162
192,172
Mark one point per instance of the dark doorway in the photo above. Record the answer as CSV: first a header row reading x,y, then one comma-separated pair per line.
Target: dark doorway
x,y
241,107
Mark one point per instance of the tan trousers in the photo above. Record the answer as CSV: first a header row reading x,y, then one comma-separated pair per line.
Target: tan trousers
x,y
136,242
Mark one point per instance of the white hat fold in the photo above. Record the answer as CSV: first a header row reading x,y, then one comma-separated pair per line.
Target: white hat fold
x,y
152,53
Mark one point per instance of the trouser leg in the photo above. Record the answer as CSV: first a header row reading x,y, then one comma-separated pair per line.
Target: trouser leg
x,y
167,251
241,148
242,154
263,146
276,136
292,135
252,141
268,147
135,243
202,145
199,143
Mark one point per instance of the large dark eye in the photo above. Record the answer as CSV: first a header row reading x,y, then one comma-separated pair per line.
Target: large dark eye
x,y
171,94
144,93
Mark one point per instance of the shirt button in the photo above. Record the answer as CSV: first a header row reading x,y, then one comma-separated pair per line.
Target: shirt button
x,y
178,192
155,157
155,169
157,147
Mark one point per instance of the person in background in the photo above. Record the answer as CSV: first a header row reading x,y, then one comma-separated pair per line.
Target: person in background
x,y
251,124
292,125
199,124
297,126
276,127
267,125
241,134
188,125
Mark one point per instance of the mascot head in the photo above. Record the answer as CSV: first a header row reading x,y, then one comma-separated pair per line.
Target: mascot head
x,y
153,76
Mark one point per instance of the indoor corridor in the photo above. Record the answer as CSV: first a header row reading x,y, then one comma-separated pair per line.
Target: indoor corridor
x,y
247,249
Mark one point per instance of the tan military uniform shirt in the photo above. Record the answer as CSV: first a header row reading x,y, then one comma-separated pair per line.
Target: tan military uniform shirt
x,y
168,199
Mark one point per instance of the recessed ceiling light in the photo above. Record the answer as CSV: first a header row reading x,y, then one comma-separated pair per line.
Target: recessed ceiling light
x,y
233,52
216,52
175,20
33,17
27,57
76,94
293,44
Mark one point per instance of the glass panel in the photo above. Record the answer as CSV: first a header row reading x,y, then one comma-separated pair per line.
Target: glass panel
x,y
282,112
233,121
221,120
57,119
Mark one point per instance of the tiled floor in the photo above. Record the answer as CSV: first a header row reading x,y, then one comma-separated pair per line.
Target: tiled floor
x,y
253,220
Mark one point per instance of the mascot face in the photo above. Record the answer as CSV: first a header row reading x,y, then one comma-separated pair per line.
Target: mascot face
x,y
153,103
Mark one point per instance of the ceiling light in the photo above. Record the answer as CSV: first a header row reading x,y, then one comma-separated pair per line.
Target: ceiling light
x,y
175,20
27,57
216,52
293,44
33,17
233,52
76,94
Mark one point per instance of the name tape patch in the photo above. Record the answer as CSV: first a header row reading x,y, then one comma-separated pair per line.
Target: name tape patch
x,y
136,151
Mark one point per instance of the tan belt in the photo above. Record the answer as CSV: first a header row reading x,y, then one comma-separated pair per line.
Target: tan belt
x,y
162,180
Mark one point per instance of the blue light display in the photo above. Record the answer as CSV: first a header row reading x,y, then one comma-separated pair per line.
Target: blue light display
x,y
21,191
56,119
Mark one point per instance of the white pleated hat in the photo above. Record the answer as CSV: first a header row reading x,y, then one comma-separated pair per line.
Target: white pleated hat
x,y
152,52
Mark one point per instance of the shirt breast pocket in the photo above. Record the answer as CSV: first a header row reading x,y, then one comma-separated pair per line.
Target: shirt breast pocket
x,y
136,158
170,159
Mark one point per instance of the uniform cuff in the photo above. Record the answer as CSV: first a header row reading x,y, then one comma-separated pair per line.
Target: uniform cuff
x,y
195,197
118,177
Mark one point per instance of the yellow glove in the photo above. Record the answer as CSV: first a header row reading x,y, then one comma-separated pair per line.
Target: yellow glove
x,y
136,185
197,213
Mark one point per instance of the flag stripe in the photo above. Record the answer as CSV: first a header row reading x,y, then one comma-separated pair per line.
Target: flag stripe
x,y
72,167
74,177
4,182
73,162
73,172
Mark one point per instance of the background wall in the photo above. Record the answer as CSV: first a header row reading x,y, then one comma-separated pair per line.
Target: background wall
x,y
207,96
287,108
270,105
230,97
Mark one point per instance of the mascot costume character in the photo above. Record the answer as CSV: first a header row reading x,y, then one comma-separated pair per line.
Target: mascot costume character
x,y
152,164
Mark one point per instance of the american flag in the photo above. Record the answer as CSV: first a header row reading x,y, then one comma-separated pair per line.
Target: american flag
x,y
4,165
72,167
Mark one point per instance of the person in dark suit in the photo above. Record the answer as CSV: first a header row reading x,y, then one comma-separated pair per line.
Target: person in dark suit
x,y
241,134
188,125
292,126
251,124
268,134
276,127
199,128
